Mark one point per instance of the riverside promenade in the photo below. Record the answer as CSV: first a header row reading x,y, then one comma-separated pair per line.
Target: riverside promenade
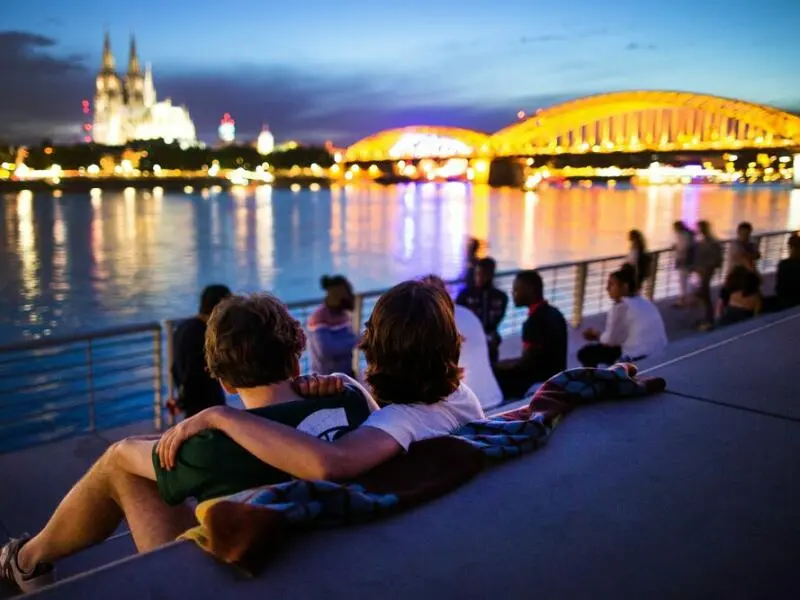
x,y
692,493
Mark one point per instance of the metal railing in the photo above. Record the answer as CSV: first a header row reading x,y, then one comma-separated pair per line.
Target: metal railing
x,y
59,387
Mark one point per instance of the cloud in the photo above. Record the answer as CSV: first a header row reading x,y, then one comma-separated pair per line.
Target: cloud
x,y
636,46
41,90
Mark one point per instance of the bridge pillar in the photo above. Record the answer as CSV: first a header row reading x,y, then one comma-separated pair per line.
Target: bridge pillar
x,y
480,169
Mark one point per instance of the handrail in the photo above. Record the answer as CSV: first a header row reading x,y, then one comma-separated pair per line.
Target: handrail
x,y
63,340
78,385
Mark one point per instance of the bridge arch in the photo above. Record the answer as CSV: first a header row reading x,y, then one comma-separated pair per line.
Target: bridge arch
x,y
408,143
648,120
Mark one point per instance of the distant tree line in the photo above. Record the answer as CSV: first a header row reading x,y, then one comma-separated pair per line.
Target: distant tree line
x,y
170,156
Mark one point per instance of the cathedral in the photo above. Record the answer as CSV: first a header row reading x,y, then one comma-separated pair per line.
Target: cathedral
x,y
125,108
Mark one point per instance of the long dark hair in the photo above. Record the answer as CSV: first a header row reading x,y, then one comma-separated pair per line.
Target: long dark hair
x,y
637,240
412,345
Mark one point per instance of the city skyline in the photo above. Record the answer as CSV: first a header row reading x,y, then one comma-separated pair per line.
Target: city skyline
x,y
341,72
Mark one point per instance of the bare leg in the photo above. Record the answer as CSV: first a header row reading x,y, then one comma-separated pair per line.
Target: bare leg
x,y
120,484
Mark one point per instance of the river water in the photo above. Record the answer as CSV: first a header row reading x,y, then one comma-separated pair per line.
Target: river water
x,y
85,261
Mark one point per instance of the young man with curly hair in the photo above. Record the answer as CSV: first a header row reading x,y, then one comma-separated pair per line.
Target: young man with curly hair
x,y
253,347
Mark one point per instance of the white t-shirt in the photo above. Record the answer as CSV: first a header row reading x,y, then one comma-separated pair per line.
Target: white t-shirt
x,y
636,325
409,423
478,374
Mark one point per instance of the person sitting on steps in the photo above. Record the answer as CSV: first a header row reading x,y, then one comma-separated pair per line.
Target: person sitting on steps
x,y
634,327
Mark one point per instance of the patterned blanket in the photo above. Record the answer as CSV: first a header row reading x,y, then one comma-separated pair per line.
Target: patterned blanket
x,y
246,528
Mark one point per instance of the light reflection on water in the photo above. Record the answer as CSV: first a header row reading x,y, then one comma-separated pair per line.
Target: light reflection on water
x,y
93,260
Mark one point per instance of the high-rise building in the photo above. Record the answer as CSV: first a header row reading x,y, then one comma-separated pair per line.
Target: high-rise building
x,y
127,109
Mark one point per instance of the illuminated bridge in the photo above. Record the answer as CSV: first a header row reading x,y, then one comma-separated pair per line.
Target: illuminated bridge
x,y
630,122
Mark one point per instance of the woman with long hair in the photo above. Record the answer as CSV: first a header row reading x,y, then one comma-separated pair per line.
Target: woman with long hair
x,y
638,257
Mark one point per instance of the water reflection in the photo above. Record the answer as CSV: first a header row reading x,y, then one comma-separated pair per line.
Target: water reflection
x,y
26,248
98,259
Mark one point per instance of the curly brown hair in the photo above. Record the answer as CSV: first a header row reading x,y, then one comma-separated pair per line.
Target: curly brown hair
x,y
253,341
412,345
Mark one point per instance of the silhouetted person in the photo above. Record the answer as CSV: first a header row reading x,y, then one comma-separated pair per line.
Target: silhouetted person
x,y
470,262
638,257
195,389
544,340
787,279
744,252
708,259
741,299
487,302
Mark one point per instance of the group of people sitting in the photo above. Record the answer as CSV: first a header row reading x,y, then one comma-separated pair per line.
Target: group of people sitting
x,y
432,366
314,427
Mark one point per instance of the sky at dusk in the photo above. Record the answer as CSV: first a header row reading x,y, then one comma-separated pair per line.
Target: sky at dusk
x,y
316,69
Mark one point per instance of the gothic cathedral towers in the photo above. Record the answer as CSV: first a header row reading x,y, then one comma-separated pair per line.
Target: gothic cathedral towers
x,y
108,101
126,108
134,80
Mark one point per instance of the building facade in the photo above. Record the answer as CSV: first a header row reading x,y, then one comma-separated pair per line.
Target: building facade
x,y
126,107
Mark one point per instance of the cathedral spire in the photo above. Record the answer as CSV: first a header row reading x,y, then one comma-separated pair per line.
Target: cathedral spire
x,y
133,63
108,57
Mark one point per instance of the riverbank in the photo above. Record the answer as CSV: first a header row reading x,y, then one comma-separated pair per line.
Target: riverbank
x,y
85,184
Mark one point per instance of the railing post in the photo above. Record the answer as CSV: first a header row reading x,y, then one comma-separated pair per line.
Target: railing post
x,y
90,383
760,246
358,316
169,332
158,380
579,293
650,282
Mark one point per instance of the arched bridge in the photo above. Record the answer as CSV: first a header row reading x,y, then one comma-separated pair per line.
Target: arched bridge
x,y
631,121
644,120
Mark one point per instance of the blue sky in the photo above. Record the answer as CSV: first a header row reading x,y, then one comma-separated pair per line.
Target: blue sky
x,y
317,69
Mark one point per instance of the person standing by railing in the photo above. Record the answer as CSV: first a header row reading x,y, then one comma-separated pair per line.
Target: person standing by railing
x,y
195,389
684,258
708,259
470,262
331,338
638,257
487,302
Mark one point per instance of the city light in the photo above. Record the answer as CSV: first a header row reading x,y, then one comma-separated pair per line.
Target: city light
x,y
422,145
227,129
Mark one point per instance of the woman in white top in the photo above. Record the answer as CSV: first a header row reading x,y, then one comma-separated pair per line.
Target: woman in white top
x,y
412,347
634,327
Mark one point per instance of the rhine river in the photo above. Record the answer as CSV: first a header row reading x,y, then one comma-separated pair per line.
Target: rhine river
x,y
87,261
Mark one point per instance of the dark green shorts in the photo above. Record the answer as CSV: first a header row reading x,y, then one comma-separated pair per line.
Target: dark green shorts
x,y
211,464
